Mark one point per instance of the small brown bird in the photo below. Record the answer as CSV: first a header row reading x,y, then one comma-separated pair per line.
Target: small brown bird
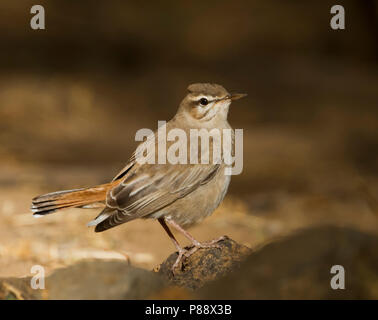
x,y
177,195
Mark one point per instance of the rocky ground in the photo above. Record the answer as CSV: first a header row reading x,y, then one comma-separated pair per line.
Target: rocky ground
x,y
297,267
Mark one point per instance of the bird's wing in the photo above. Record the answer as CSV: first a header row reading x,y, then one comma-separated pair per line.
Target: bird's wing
x,y
147,188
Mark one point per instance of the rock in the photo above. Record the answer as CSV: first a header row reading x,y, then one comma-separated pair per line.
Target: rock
x,y
205,265
17,289
102,280
298,267
89,279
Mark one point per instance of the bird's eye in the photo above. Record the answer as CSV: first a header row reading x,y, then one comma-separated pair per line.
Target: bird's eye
x,y
204,102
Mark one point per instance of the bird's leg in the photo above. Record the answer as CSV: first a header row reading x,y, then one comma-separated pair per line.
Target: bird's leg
x,y
196,244
181,251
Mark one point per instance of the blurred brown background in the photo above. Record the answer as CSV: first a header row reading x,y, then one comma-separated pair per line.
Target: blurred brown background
x,y
72,97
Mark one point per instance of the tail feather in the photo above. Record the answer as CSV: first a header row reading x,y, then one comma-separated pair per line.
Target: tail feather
x,y
76,198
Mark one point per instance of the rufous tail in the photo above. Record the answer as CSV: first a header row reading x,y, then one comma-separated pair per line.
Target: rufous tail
x,y
76,198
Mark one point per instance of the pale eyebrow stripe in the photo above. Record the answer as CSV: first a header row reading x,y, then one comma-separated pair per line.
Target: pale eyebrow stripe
x,y
200,96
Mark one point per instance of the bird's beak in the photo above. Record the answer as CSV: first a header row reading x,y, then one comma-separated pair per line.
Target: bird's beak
x,y
237,96
234,96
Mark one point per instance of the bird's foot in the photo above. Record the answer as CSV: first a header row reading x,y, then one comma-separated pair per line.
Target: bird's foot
x,y
209,244
204,245
186,253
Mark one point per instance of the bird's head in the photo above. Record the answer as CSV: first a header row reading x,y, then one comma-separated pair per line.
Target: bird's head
x,y
206,101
